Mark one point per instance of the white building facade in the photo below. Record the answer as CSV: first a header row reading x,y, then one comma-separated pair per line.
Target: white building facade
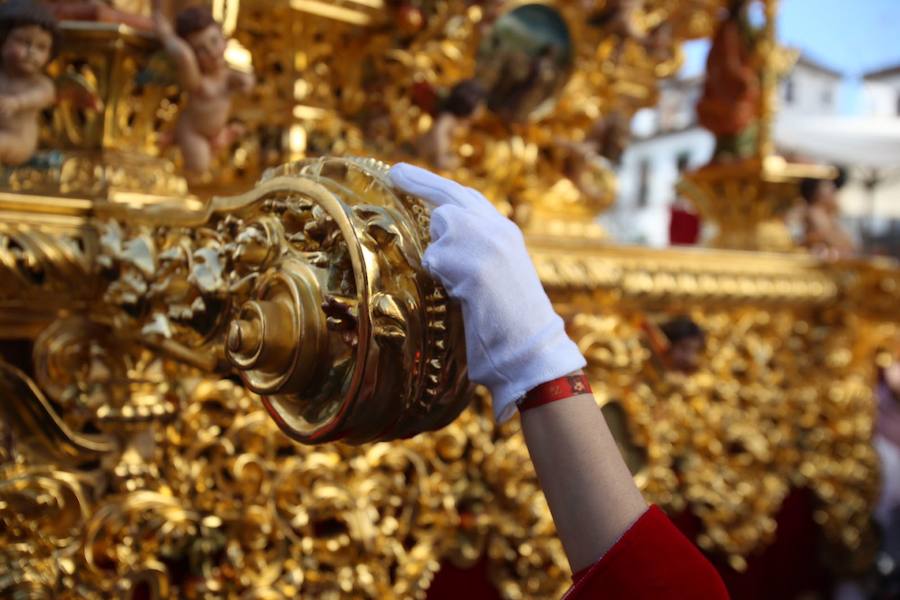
x,y
881,93
810,89
881,197
667,139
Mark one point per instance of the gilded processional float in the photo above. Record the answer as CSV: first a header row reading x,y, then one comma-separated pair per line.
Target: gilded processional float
x,y
187,274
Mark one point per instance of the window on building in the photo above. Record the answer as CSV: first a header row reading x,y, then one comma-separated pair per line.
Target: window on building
x,y
643,197
789,90
827,97
898,104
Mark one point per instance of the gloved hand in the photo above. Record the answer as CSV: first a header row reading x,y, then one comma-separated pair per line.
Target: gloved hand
x,y
514,339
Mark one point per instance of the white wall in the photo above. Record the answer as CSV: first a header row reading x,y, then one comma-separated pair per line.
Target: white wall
x,y
881,98
814,92
878,206
677,105
650,224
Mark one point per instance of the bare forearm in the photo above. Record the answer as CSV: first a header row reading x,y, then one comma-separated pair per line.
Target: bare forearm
x,y
591,494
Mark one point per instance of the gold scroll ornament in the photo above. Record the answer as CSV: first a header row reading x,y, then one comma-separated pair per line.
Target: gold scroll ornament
x,y
345,336
310,287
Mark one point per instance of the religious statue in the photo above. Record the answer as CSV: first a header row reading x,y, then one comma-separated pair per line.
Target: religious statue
x,y
519,81
28,31
197,46
503,71
730,105
524,61
589,164
99,11
465,100
543,78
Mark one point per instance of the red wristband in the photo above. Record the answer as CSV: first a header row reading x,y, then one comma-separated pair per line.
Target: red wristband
x,y
556,389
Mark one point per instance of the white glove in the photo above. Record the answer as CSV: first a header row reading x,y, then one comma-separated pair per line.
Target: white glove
x,y
515,341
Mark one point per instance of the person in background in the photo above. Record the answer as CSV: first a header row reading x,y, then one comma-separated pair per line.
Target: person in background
x,y
516,345
686,342
883,581
823,232
463,104
887,443
684,222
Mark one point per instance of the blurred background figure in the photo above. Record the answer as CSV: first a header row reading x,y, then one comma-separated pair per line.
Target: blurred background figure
x,y
686,344
887,442
684,222
524,62
589,164
883,582
823,232
887,513
463,104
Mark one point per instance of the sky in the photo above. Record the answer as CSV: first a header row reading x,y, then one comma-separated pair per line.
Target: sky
x,y
851,36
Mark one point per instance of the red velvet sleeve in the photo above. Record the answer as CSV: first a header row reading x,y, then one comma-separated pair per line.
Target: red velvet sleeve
x,y
652,560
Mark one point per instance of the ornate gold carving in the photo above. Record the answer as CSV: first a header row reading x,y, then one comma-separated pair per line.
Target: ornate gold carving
x,y
322,250
103,132
180,485
729,442
349,287
372,105
42,258
41,429
692,277
310,285
247,512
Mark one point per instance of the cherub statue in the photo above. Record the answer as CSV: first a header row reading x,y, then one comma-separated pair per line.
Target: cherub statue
x,y
28,33
462,105
590,163
197,46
